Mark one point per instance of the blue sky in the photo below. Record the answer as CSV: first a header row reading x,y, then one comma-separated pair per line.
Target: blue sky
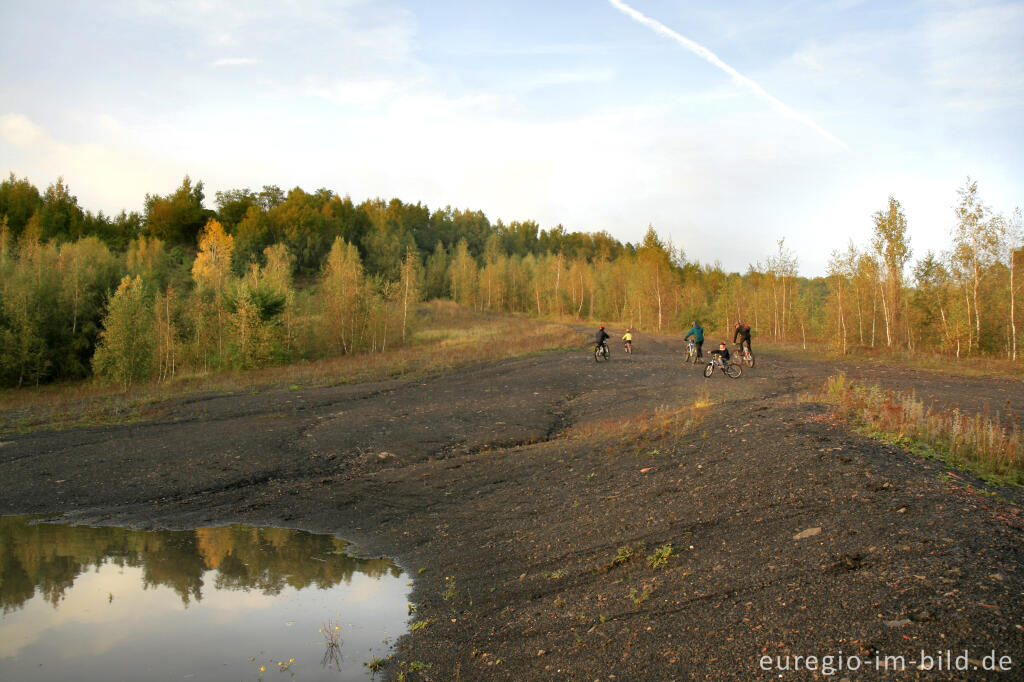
x,y
580,113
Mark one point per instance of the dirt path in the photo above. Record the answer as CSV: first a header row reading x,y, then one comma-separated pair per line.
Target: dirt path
x,y
519,483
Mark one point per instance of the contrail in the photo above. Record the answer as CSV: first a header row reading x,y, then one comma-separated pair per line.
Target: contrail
x,y
708,55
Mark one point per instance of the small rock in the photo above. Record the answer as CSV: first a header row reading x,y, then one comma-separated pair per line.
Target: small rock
x,y
920,616
645,470
901,510
809,533
898,623
541,652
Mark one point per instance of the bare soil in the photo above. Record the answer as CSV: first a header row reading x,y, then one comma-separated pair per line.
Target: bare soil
x,y
507,489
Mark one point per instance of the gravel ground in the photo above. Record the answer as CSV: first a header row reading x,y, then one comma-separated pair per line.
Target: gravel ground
x,y
509,490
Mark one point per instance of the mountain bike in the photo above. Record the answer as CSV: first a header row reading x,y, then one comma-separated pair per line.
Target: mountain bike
x,y
744,355
691,351
601,353
729,369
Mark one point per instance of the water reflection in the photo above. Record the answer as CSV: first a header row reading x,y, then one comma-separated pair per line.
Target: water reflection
x,y
213,603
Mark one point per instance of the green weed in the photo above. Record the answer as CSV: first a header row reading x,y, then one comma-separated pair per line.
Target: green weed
x,y
660,556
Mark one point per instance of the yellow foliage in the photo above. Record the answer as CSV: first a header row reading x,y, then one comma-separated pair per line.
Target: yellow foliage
x,y
213,263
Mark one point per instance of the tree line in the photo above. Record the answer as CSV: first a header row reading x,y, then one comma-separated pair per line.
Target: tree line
x,y
270,278
46,559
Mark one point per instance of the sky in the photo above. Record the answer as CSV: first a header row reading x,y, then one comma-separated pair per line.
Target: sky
x,y
725,126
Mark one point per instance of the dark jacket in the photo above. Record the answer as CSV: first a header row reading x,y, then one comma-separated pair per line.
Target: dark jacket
x,y
601,336
724,352
697,332
742,332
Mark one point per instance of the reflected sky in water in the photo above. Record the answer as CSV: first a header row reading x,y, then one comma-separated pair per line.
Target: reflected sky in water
x,y
113,603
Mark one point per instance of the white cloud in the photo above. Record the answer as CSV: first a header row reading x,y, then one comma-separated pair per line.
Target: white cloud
x,y
236,61
102,176
977,56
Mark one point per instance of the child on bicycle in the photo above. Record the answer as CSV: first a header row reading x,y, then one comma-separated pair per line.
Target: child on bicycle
x,y
602,336
721,354
627,339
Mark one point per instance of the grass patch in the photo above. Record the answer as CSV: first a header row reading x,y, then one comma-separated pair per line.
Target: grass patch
x,y
650,425
448,337
973,442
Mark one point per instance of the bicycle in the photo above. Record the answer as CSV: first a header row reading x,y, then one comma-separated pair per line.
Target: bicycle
x,y
601,352
627,347
691,351
744,355
730,370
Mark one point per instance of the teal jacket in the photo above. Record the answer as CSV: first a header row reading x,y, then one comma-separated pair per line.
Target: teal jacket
x,y
697,332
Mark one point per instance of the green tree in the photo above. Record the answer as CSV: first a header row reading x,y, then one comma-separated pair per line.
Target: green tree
x,y
125,353
178,217
59,214
436,282
19,200
29,295
87,272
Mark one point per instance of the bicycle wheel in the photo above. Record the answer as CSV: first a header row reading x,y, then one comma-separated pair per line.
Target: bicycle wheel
x,y
606,353
733,371
709,370
597,354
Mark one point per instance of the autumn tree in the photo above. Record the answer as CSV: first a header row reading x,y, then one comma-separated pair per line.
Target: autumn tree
x,y
892,247
409,285
655,264
975,248
1012,253
211,272
462,275
343,290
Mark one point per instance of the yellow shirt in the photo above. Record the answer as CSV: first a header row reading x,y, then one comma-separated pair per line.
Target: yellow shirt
x,y
627,337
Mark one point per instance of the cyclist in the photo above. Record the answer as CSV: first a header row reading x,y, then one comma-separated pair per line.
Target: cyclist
x,y
697,332
742,332
627,339
602,336
721,352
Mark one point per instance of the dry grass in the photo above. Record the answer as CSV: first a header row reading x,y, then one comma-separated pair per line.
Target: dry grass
x,y
974,442
973,366
650,425
447,336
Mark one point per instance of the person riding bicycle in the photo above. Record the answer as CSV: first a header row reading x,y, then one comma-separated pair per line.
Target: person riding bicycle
x,y
721,353
602,336
627,338
743,333
697,332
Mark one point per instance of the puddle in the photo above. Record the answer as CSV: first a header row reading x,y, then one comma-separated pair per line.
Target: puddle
x,y
209,604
